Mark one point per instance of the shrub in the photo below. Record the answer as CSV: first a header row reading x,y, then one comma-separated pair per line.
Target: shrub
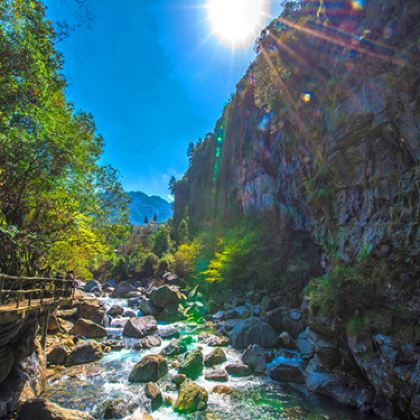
x,y
185,259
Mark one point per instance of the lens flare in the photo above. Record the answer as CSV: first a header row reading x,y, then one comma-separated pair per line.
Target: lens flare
x,y
358,4
237,22
306,97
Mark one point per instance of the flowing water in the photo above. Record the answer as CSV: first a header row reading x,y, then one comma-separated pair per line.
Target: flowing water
x,y
87,387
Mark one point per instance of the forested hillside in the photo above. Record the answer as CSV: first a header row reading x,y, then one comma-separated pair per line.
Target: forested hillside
x,y
57,203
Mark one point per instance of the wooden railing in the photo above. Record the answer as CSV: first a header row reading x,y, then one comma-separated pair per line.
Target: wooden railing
x,y
24,291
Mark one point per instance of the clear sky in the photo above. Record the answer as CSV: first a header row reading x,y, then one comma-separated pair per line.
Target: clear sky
x,y
153,77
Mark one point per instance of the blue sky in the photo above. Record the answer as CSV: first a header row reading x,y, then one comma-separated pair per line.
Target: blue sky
x,y
153,79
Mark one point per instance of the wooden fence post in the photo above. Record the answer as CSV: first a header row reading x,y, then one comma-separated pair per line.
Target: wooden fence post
x,y
45,329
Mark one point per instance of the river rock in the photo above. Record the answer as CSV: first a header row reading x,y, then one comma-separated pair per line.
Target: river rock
x,y
41,409
275,318
191,398
287,372
84,352
174,348
222,389
7,360
238,369
93,286
168,332
115,310
122,289
57,355
114,409
216,375
218,341
178,379
91,310
148,342
149,369
193,364
215,357
254,356
164,296
147,308
285,340
241,312
293,322
154,394
88,329
140,327
325,348
253,331
304,346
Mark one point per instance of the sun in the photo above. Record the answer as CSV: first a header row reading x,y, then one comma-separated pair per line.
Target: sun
x,y
237,22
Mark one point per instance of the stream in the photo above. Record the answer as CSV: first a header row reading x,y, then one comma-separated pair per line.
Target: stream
x,y
87,387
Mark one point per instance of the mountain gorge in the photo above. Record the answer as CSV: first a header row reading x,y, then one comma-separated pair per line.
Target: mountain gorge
x,y
143,206
321,142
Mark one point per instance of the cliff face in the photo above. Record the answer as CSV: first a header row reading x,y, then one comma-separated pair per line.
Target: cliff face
x,y
324,131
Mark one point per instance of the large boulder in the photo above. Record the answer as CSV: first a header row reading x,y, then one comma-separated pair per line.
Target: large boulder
x,y
168,332
84,352
174,348
149,369
164,296
115,311
215,357
238,369
122,290
140,327
191,398
93,286
92,310
253,331
293,322
287,372
57,355
114,409
254,356
154,394
193,364
88,329
147,308
7,360
41,409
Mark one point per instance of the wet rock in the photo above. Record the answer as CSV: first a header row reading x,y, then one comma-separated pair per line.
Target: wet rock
x,y
41,409
84,352
178,379
253,331
154,394
304,346
222,389
193,364
174,348
326,349
114,409
218,341
293,322
147,308
129,313
148,342
122,289
275,318
238,369
285,340
191,398
254,356
285,372
93,286
7,360
91,310
57,355
115,311
168,332
170,313
133,302
88,329
149,369
164,296
341,387
215,357
140,327
241,312
216,375
219,315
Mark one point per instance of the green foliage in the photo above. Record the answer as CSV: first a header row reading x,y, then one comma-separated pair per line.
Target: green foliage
x,y
59,209
194,309
161,241
185,259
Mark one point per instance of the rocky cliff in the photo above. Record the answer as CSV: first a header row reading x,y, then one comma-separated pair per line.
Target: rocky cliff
x,y
324,132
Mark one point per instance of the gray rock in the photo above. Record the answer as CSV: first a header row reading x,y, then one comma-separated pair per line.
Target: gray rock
x,y
115,311
304,346
88,329
41,409
57,355
149,369
253,331
154,394
140,327
238,369
168,332
84,352
285,372
165,296
215,357
122,289
93,286
254,356
216,375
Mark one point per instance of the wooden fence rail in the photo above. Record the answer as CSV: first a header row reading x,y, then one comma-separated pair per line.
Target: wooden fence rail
x,y
23,290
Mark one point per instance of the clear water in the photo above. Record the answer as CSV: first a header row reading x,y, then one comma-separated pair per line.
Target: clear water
x,y
86,387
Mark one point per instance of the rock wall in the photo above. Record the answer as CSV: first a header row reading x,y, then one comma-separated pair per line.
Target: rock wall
x,y
324,132
22,362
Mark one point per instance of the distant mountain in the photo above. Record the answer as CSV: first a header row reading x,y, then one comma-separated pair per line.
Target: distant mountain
x,y
143,205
